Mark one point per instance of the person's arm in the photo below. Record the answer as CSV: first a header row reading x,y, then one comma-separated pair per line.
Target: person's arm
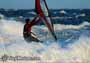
x,y
36,20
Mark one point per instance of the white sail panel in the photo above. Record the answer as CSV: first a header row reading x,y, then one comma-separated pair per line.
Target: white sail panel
x,y
44,9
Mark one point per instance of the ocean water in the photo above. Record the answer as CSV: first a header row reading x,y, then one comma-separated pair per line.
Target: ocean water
x,y
72,46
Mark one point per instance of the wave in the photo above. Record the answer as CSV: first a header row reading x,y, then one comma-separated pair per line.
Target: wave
x,y
62,27
12,43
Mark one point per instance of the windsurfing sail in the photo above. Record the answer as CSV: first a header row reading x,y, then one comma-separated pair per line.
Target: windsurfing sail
x,y
42,10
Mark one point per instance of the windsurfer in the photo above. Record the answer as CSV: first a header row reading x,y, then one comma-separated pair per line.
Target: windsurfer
x,y
27,34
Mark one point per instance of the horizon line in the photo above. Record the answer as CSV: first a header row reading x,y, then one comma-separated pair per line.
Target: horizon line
x,y
34,8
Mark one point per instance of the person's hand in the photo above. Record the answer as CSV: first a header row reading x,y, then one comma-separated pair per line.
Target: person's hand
x,y
38,15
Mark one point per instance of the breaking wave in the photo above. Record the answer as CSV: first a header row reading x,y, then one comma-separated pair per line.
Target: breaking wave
x,y
73,45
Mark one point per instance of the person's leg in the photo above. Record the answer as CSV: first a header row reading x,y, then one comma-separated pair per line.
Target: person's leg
x,y
36,39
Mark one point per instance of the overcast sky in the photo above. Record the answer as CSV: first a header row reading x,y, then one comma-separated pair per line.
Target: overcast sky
x,y
30,4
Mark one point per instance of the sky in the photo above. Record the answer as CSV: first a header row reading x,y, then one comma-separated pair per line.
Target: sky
x,y
52,4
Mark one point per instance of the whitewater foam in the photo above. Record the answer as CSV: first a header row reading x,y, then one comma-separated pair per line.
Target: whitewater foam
x,y
13,44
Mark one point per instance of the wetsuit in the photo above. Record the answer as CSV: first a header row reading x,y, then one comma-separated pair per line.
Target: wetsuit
x,y
27,30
